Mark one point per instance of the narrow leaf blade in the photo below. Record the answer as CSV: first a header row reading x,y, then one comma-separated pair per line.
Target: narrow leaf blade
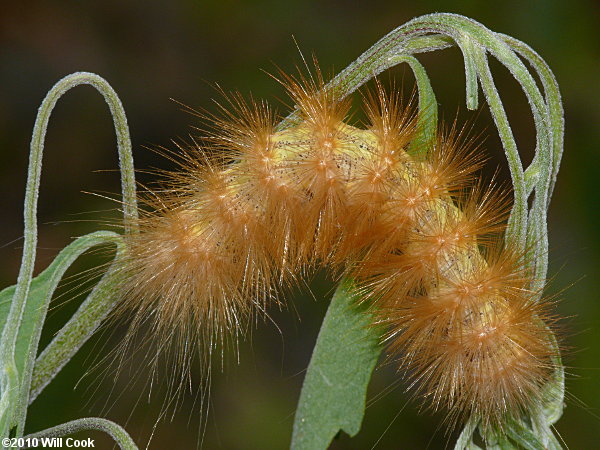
x,y
335,387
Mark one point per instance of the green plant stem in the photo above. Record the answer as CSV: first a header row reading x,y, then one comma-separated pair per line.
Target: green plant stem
x,y
544,170
428,111
467,47
117,432
517,227
9,388
553,102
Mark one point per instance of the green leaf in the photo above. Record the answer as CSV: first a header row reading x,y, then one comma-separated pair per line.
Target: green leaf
x,y
553,393
6,296
428,112
524,437
335,387
88,317
465,440
40,293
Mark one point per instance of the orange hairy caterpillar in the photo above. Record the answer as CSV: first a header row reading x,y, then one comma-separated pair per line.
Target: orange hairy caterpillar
x,y
256,208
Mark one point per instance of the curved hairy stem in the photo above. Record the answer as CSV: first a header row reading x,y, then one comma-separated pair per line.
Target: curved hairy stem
x,y
117,432
14,385
553,105
428,111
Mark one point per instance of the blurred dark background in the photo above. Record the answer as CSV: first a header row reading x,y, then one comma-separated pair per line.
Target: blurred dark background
x,y
155,51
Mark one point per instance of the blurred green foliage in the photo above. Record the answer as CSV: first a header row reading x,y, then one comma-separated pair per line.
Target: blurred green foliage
x,y
152,51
